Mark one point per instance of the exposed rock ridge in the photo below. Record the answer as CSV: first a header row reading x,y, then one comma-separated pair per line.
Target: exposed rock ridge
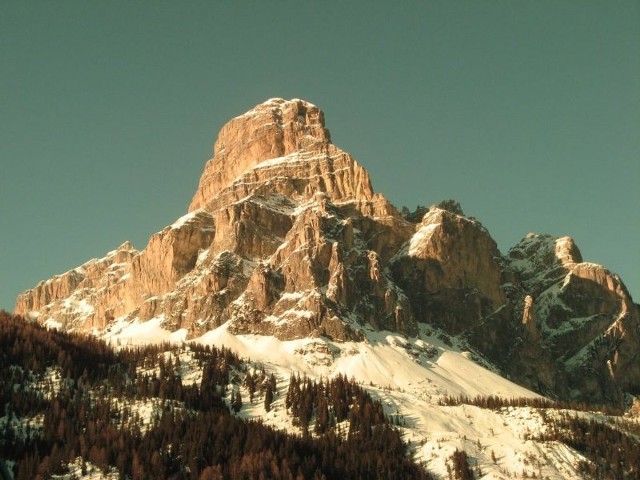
x,y
86,297
583,315
451,267
285,236
284,148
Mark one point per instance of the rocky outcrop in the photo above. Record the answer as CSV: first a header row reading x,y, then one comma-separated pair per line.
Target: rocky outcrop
x,y
274,129
169,255
285,236
323,280
84,298
269,243
529,319
281,148
450,268
584,316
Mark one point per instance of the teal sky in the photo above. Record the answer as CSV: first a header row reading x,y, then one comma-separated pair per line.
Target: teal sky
x,y
527,112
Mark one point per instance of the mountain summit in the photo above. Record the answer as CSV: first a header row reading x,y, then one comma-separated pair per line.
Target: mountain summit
x,y
285,237
279,147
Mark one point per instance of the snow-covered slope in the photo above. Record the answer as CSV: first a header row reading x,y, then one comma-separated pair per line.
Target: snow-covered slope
x,y
411,376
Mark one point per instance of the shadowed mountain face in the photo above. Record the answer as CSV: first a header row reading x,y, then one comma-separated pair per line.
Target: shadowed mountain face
x,y
285,237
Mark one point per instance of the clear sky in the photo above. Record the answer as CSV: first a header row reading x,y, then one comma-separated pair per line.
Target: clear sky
x,y
527,112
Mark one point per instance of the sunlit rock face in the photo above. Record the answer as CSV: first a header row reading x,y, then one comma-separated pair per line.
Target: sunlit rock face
x,y
286,237
452,265
281,148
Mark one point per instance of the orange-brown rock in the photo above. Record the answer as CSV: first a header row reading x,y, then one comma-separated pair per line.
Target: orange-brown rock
x,y
262,228
86,297
169,255
529,319
451,268
279,148
285,237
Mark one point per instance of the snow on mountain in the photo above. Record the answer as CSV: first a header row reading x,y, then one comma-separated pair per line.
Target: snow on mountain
x,y
411,376
288,257
280,211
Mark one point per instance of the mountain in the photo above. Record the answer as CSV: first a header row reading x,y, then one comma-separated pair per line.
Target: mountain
x,y
285,237
288,256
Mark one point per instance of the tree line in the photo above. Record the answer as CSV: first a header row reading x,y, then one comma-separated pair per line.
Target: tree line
x,y
612,452
495,402
191,434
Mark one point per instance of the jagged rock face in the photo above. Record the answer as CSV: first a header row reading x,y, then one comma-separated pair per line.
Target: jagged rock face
x,y
286,237
450,269
269,243
86,297
279,148
583,315
323,280
276,128
169,255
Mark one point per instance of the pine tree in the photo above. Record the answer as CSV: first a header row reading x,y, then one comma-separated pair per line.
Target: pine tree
x,y
322,416
268,397
461,469
236,401
250,382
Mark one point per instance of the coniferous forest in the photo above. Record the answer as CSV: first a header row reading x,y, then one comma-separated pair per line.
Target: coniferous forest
x,y
69,400
65,396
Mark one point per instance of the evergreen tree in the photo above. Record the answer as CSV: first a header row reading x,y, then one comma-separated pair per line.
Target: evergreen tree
x,y
268,397
236,400
461,468
250,382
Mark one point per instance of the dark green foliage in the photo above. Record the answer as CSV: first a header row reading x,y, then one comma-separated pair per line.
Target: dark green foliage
x,y
613,453
268,397
452,206
330,402
459,468
250,383
192,436
236,401
416,216
494,402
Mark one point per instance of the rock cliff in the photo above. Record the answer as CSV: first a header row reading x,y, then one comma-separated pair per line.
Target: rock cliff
x,y
286,237
450,268
581,313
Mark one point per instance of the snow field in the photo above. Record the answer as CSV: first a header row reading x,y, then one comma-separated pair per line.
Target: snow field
x,y
409,376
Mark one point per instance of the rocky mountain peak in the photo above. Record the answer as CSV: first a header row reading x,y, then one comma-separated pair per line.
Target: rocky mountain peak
x,y
285,237
451,260
583,313
277,140
567,251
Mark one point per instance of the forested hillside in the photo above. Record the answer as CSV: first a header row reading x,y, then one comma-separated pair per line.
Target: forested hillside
x,y
64,396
